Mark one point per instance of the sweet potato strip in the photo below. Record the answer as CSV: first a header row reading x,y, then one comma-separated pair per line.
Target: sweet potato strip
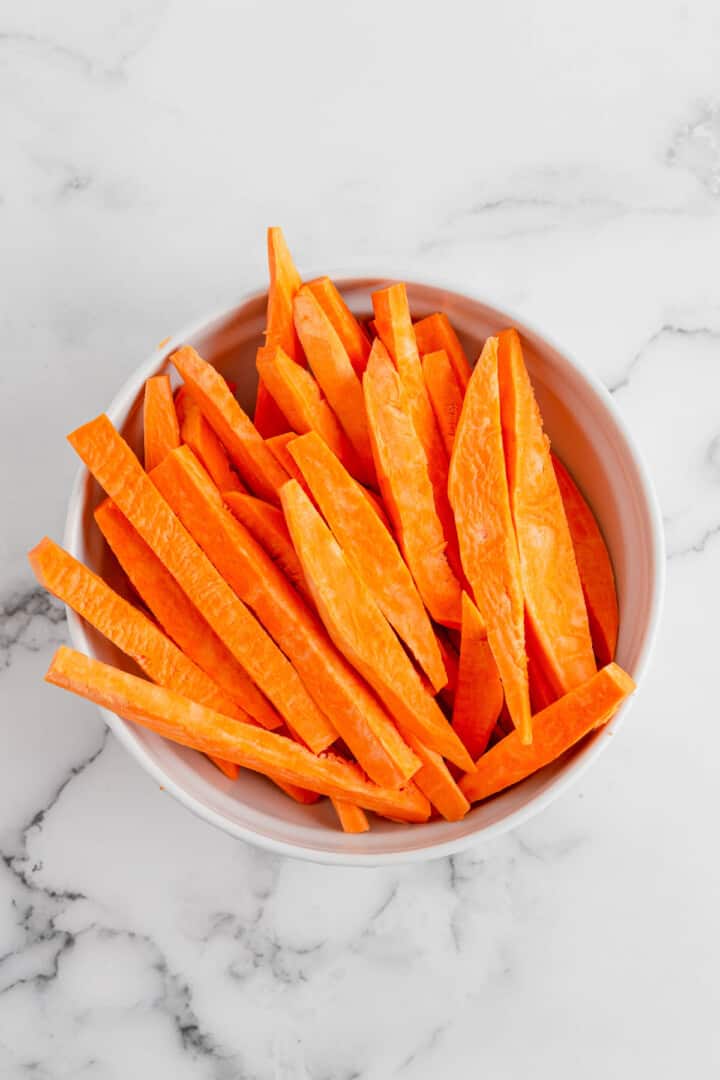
x,y
267,525
395,329
479,495
555,730
435,332
257,466
334,686
179,618
160,422
185,722
284,283
300,398
437,784
360,631
593,562
479,695
330,364
131,631
402,471
347,327
451,663
204,443
352,818
117,470
548,572
370,550
445,394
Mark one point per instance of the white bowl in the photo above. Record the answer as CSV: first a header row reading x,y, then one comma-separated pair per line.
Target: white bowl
x,y
588,434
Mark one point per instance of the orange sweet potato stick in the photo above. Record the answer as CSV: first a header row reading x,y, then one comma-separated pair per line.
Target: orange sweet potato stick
x,y
370,550
593,562
352,818
179,618
330,364
278,445
177,718
284,283
437,784
267,525
479,695
257,466
200,437
117,470
358,628
160,422
445,394
479,495
402,470
131,631
451,663
330,681
555,730
548,572
435,332
347,327
307,410
395,329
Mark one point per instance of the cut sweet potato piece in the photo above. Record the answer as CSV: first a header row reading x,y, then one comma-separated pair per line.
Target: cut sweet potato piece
x,y
445,394
549,576
437,784
267,525
204,443
479,495
185,722
402,471
479,695
258,467
347,327
395,329
330,364
299,396
131,631
360,631
451,663
179,618
160,423
593,562
330,681
435,332
370,550
284,283
278,445
555,730
117,470
352,818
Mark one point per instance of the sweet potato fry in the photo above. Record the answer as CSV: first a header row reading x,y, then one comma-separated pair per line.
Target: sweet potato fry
x,y
160,422
204,443
352,818
479,496
593,562
183,721
437,784
555,730
549,576
267,525
284,283
479,695
445,394
402,471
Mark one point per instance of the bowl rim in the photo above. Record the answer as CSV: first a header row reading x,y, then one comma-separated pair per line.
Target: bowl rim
x,y
123,730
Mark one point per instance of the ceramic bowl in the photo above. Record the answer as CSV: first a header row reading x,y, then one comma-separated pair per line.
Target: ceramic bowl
x,y
589,435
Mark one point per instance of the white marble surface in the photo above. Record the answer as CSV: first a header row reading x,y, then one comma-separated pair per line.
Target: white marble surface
x,y
563,159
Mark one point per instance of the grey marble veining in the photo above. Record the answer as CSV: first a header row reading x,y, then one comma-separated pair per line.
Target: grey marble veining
x,y
564,164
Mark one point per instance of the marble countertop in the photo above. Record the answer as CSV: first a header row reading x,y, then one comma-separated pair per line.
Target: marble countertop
x,y
563,161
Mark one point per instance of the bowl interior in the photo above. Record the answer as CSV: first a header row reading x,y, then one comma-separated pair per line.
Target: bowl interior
x,y
585,432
